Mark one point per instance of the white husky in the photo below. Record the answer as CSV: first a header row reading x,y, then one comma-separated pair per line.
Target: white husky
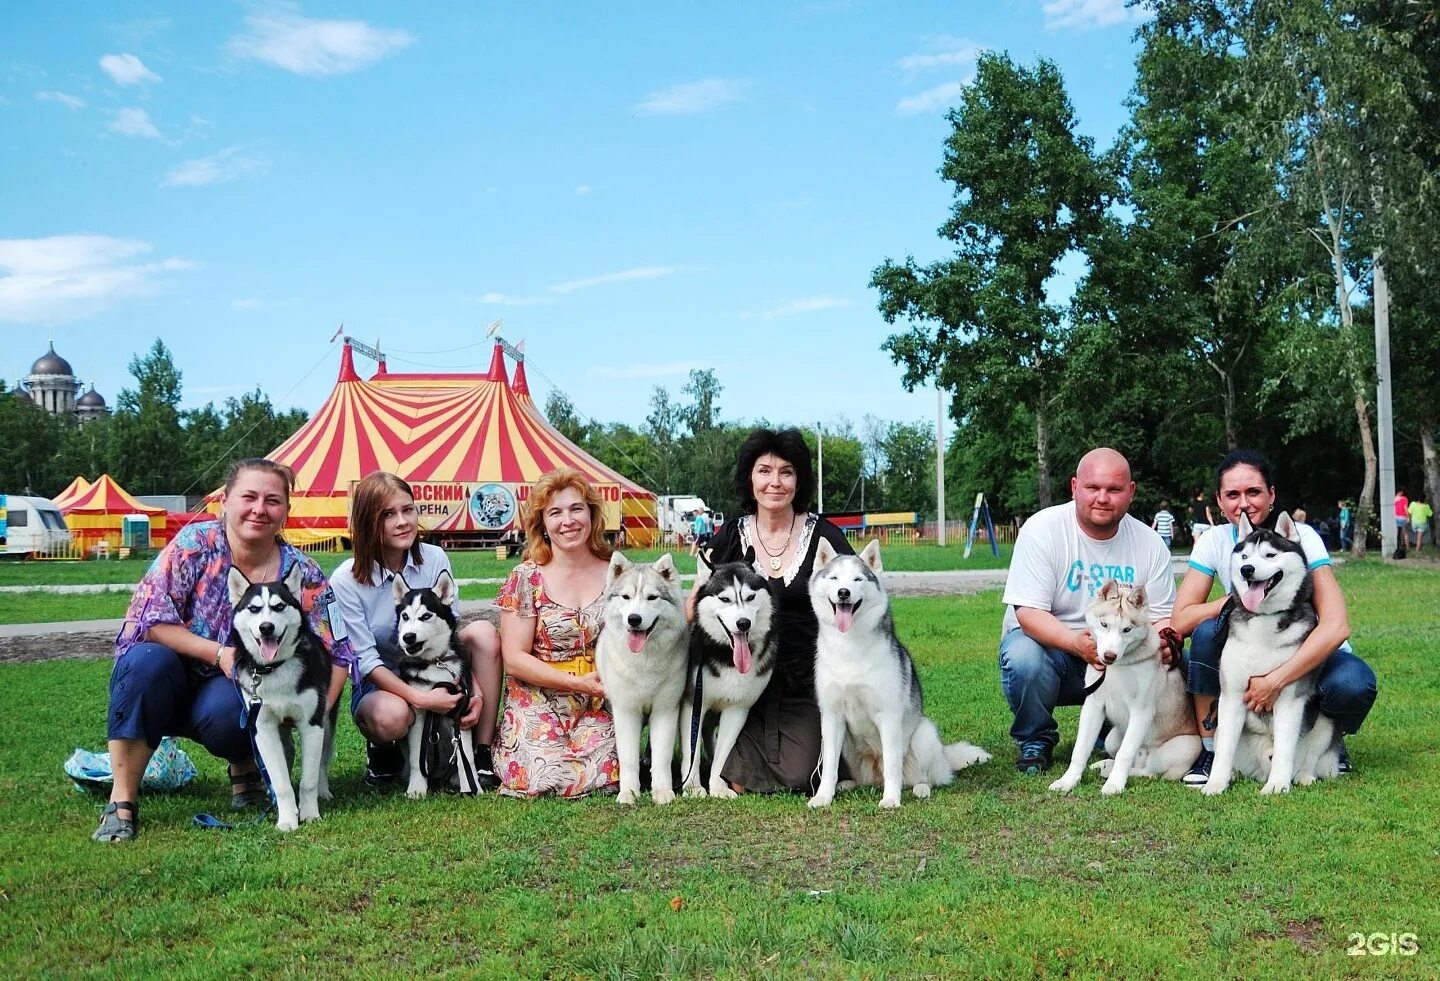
x,y
640,655
732,655
1152,725
871,707
284,675
1272,614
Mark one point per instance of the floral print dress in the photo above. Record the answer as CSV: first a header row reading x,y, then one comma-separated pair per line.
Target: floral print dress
x,y
553,742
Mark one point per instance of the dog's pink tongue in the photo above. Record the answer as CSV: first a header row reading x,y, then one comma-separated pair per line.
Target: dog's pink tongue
x,y
269,647
844,616
740,647
636,639
1252,596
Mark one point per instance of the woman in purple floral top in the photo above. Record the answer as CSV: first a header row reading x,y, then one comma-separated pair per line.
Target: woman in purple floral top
x,y
173,671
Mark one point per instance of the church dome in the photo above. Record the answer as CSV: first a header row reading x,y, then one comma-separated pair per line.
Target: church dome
x,y
51,364
91,399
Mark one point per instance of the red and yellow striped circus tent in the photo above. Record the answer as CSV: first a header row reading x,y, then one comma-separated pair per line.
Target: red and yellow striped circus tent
x,y
98,514
470,446
72,492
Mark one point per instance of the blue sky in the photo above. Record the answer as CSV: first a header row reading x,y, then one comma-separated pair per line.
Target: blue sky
x,y
636,189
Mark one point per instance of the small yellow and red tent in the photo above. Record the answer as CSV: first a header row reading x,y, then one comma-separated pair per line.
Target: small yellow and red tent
x,y
470,446
98,515
71,493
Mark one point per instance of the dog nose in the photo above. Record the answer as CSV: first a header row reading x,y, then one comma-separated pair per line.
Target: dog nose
x,y
266,629
1110,658
743,624
1247,571
408,639
634,621
843,593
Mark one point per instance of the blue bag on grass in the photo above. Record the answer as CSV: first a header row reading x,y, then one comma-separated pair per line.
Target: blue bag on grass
x,y
169,768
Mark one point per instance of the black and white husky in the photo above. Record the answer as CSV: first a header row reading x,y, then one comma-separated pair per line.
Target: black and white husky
x,y
1272,612
1152,723
284,674
732,651
640,655
871,707
431,656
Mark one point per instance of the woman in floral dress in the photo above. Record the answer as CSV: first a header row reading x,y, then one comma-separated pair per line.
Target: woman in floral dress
x,y
556,735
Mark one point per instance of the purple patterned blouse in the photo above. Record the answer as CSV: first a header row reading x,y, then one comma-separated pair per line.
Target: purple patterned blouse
x,y
187,586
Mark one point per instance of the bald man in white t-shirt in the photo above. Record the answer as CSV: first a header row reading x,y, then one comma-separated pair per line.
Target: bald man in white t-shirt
x,y
1063,555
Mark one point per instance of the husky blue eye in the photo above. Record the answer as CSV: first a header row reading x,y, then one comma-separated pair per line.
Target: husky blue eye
x,y
726,599
256,608
427,616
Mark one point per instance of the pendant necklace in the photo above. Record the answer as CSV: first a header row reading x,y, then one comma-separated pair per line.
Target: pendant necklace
x,y
774,556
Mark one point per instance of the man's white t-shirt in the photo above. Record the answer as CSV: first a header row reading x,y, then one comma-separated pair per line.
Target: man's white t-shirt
x,y
1058,568
1211,554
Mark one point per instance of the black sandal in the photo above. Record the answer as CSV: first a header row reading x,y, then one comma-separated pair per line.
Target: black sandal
x,y
247,790
114,828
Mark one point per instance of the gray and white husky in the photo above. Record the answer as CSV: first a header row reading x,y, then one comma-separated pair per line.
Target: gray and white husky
x,y
732,652
432,656
284,675
1152,724
640,655
1273,611
871,707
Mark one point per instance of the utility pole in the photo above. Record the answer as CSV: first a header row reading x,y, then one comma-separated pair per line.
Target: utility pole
x,y
1384,411
940,461
820,440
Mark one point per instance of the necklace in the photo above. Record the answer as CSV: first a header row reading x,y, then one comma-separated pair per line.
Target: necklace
x,y
774,556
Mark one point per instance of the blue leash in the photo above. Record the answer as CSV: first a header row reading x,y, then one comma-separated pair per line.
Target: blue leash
x,y
248,709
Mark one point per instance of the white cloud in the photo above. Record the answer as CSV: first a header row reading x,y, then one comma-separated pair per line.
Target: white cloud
x,y
811,304
625,276
692,97
316,47
511,300
134,122
632,371
940,97
71,102
949,52
1087,15
67,277
227,165
582,190
126,69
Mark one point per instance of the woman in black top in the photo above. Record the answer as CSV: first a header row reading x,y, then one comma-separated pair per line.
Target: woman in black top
x,y
779,747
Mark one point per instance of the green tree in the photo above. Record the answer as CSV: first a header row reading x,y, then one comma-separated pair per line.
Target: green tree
x,y
561,413
702,414
909,475
1027,192
148,439
30,437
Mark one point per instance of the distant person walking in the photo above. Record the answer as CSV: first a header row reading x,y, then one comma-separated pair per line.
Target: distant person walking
x,y
1347,527
1402,518
1164,524
1420,514
1200,517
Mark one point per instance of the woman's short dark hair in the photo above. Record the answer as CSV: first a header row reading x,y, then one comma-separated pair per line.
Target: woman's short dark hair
x,y
1246,458
790,446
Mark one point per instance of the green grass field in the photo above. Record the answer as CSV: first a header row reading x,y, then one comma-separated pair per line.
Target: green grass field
x,y
38,606
992,877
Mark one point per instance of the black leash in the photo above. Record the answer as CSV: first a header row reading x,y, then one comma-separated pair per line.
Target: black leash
x,y
699,703
467,775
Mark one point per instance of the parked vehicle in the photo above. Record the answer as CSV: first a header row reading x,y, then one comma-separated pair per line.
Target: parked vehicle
x,y
677,515
31,526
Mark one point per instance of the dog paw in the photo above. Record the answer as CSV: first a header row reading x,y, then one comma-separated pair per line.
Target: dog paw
x,y
696,791
324,793
921,790
1113,787
722,791
286,823
663,796
305,818
417,793
626,797
1064,785
889,803
1306,779
1276,787
846,785
1213,787
821,800
1103,767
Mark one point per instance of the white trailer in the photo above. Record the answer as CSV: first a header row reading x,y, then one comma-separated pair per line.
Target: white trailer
x,y
31,526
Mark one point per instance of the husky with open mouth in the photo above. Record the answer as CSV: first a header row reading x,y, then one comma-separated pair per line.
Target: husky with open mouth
x,y
1272,612
871,706
640,655
732,656
284,675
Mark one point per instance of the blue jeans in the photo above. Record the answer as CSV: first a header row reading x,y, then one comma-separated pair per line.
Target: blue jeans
x,y
1347,684
154,693
1035,679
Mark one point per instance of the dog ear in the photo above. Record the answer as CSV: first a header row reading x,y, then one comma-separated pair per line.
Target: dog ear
x,y
294,579
1244,525
1137,598
665,566
445,590
619,564
749,556
398,588
1285,525
824,553
237,583
1109,590
870,555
